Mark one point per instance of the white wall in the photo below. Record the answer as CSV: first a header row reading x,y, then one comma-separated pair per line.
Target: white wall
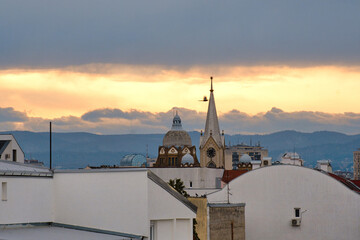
x,y
174,229
200,177
173,220
164,230
271,194
115,201
29,199
163,205
120,201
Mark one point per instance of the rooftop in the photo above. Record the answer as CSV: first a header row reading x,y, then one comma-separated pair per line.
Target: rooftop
x,y
21,169
30,232
229,175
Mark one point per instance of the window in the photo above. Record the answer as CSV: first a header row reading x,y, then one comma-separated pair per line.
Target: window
x,y
14,155
169,161
266,163
190,183
4,191
297,212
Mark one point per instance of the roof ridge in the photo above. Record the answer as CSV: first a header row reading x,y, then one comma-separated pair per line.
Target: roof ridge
x,y
156,179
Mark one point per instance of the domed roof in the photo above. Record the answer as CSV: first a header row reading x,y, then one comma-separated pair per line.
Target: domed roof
x,y
245,158
133,160
177,136
187,158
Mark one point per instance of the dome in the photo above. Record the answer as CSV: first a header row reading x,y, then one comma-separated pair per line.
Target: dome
x,y
133,160
177,138
245,158
187,158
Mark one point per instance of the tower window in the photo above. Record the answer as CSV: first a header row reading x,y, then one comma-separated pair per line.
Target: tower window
x,y
190,183
297,212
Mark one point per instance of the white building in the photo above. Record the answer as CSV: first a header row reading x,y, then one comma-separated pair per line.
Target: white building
x,y
292,158
10,149
292,202
324,165
127,203
197,181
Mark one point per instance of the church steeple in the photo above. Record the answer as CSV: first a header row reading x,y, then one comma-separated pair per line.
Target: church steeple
x,y
212,123
212,143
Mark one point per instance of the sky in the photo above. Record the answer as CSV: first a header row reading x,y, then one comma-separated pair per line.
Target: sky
x,y
115,67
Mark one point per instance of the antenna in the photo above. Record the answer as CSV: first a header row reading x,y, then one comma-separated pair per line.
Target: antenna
x,y
228,189
50,148
211,89
294,153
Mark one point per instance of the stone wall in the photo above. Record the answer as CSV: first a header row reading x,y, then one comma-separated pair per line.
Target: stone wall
x,y
227,221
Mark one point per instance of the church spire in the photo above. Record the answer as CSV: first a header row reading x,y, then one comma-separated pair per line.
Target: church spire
x,y
212,123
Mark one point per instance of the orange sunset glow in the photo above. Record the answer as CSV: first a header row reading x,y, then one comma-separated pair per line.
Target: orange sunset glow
x,y
51,93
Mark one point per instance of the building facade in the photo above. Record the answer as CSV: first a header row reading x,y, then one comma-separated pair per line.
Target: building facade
x,y
177,149
233,154
212,142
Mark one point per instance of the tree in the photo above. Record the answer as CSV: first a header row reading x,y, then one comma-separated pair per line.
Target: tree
x,y
178,185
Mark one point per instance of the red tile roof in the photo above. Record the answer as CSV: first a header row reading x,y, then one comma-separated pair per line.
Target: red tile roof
x,y
229,175
350,184
356,182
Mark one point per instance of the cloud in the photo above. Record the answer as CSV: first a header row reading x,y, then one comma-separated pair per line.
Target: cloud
x,y
278,120
60,33
117,121
97,115
11,115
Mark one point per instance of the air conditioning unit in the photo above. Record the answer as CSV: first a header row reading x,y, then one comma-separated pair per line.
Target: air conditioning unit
x,y
296,222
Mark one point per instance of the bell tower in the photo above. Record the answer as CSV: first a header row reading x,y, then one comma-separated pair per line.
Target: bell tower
x,y
212,142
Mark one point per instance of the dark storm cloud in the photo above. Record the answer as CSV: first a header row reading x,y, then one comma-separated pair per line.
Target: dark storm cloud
x,y
57,33
11,115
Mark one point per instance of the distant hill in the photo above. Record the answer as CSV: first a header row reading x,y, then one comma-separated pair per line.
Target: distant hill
x,y
77,150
